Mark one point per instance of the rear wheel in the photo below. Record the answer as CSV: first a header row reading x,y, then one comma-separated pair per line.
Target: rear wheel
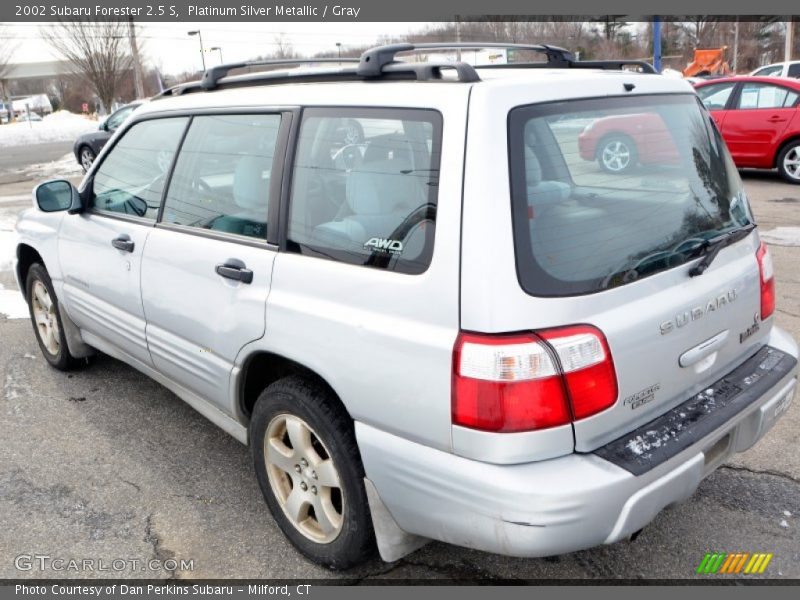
x,y
46,320
86,156
789,162
617,154
310,472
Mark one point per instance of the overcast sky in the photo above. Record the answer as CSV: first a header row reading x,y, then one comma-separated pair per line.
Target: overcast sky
x,y
168,46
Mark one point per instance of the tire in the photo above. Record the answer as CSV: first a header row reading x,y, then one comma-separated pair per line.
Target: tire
x,y
302,439
86,157
617,153
789,162
46,320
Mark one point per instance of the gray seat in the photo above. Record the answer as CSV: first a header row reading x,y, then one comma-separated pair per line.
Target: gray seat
x,y
251,194
540,191
379,195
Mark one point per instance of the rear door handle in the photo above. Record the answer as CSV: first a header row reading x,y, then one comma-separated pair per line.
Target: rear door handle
x,y
776,119
123,242
235,269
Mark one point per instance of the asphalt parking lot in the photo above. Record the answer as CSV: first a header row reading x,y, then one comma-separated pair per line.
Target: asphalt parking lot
x,y
105,464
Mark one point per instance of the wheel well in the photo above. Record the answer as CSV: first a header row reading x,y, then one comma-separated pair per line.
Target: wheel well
x,y
26,256
265,368
781,147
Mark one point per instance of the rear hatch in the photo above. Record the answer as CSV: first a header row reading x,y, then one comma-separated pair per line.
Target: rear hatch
x,y
620,198
614,201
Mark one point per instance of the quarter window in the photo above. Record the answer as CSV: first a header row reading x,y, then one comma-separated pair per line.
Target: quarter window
x,y
222,175
131,179
364,189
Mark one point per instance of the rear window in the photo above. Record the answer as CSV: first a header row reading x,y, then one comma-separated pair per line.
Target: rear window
x,y
608,191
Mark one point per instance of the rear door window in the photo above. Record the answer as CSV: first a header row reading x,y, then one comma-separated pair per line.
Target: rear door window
x,y
609,191
364,187
765,95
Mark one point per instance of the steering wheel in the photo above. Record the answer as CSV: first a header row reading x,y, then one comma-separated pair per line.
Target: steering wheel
x,y
349,157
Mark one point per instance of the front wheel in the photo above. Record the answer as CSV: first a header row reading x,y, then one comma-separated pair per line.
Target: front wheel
x,y
789,162
87,157
310,472
46,320
617,154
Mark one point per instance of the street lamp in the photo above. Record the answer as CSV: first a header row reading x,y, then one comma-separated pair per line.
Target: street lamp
x,y
218,49
339,49
200,36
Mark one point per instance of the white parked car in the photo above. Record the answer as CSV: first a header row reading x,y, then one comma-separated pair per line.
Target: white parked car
x,y
427,315
781,69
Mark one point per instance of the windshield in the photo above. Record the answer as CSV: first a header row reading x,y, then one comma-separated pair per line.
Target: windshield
x,y
608,191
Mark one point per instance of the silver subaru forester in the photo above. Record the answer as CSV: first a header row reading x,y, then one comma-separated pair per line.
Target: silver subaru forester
x,y
520,308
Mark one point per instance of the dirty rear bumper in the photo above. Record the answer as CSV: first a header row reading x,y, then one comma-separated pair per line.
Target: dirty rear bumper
x,y
563,504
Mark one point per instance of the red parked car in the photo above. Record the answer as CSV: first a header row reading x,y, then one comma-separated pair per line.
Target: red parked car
x,y
759,118
620,143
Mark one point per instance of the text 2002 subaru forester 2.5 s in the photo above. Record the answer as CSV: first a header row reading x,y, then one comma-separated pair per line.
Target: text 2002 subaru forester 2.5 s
x,y
427,314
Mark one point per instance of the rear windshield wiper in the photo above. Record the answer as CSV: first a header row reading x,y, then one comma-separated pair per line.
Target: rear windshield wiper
x,y
713,245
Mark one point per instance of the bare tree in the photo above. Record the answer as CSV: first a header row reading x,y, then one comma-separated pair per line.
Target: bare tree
x,y
283,48
6,52
98,50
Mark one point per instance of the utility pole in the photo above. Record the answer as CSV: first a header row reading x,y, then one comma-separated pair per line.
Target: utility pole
x,y
458,37
138,80
657,43
789,42
736,45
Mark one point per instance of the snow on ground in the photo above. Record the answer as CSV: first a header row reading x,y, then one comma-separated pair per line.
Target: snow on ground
x,y
66,166
61,126
11,303
7,222
782,236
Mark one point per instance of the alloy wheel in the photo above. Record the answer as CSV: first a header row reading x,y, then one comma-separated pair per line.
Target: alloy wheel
x,y
45,318
304,478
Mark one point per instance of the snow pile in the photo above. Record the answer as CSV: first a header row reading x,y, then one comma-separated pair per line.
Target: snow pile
x,y
12,305
61,126
7,247
65,167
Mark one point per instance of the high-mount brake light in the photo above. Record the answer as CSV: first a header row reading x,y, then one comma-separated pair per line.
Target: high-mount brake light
x,y
524,382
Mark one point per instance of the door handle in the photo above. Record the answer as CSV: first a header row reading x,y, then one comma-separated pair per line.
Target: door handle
x,y
235,269
123,242
776,119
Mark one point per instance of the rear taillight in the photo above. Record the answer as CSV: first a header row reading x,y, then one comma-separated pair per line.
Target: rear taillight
x,y
767,280
524,382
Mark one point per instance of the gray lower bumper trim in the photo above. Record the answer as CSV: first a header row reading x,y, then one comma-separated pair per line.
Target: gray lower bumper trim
x,y
659,440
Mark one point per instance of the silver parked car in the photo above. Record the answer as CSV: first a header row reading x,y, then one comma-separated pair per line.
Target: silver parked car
x,y
425,312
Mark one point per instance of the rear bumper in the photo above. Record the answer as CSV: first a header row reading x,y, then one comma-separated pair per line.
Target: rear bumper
x,y
559,505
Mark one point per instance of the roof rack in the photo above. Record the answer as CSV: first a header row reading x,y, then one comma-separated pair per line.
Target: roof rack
x,y
373,61
212,76
381,63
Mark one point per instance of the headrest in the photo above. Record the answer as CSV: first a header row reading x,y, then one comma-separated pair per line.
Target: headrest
x,y
250,189
533,170
380,187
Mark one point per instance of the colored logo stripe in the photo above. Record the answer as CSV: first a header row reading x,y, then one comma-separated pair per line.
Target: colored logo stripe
x,y
734,563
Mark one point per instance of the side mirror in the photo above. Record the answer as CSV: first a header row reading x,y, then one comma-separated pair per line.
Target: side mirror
x,y
57,195
103,126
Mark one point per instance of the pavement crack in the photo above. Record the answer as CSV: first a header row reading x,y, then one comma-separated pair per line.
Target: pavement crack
x,y
786,312
160,553
762,472
138,489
